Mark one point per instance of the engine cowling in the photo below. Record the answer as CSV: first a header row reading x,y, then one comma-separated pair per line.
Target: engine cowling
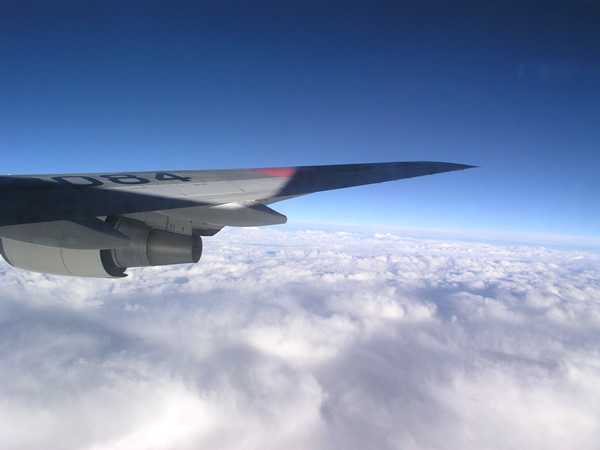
x,y
148,247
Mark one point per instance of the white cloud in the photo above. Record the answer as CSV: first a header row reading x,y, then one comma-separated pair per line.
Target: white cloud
x,y
309,340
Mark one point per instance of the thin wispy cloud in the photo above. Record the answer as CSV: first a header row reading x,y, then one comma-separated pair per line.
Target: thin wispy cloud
x,y
309,339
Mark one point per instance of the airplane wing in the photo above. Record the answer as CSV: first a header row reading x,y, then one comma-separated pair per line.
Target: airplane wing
x,y
101,224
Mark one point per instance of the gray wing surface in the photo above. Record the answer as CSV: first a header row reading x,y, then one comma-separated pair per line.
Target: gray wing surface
x,y
46,198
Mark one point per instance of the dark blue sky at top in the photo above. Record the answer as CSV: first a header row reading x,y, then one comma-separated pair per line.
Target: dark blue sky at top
x,y
513,87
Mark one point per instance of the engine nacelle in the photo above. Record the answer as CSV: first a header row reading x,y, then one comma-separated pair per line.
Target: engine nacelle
x,y
148,247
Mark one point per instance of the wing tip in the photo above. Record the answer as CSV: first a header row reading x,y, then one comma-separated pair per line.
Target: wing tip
x,y
466,166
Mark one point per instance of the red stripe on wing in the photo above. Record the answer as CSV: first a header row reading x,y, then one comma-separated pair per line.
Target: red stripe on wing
x,y
283,172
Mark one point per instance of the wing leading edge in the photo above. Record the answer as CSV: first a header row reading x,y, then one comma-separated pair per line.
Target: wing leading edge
x,y
105,212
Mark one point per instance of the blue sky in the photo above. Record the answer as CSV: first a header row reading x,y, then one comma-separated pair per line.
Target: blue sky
x,y
508,86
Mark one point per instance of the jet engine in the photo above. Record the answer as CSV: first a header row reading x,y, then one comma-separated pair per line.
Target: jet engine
x,y
147,247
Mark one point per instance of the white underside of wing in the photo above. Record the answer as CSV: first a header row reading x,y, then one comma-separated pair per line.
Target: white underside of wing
x,y
238,214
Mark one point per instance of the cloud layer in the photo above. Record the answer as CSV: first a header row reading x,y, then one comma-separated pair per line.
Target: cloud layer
x,y
309,340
